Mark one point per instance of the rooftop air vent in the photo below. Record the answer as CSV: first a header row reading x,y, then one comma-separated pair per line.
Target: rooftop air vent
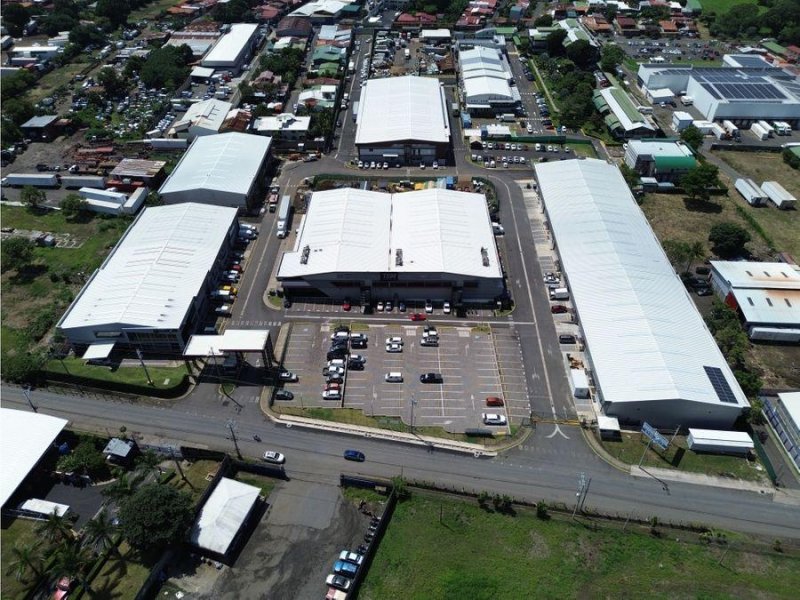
x,y
398,257
304,256
485,256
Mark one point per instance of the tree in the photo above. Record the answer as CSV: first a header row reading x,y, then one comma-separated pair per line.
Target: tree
x,y
611,56
110,79
167,67
751,384
155,516
87,34
15,17
544,21
32,196
73,205
17,253
56,528
729,239
122,487
25,558
677,251
630,175
555,42
699,182
84,459
99,533
18,110
72,560
21,367
116,11
693,137
582,53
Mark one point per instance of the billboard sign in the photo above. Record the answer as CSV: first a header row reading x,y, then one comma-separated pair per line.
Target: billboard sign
x,y
655,437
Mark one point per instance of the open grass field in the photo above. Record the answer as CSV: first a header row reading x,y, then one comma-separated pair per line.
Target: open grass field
x,y
197,477
723,6
678,456
266,484
55,79
121,577
163,377
152,10
19,533
480,555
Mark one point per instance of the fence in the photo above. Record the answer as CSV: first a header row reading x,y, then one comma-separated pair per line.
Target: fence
x,y
762,454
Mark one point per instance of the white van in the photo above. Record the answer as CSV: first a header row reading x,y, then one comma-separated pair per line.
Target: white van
x,y
394,377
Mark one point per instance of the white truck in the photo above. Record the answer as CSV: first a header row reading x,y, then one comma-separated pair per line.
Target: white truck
x,y
561,293
351,67
753,194
687,100
782,128
767,127
758,131
732,129
34,179
80,181
283,216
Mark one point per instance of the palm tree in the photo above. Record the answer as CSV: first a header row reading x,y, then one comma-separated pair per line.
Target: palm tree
x,y
72,560
697,250
55,528
99,532
123,487
147,463
26,558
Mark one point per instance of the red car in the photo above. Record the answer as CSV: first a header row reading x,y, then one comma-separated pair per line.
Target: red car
x,y
63,588
494,401
417,317
346,306
236,267
558,308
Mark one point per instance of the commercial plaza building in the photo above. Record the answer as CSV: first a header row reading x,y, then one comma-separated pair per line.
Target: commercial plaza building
x,y
651,356
403,121
430,244
152,292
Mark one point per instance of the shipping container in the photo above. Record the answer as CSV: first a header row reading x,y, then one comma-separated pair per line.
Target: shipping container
x,y
767,127
778,194
719,442
168,144
34,179
758,131
732,129
750,192
284,211
81,181
775,334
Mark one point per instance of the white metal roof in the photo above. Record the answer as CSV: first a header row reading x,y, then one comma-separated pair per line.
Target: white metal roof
x,y
156,270
25,438
232,340
348,230
660,148
282,122
319,7
739,439
208,114
226,162
230,45
487,87
402,108
99,350
769,306
765,275
202,72
647,340
605,423
223,515
791,402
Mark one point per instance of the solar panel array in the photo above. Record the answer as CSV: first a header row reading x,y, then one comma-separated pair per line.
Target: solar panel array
x,y
720,385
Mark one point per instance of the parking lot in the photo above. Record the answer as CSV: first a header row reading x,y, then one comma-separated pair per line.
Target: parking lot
x,y
474,363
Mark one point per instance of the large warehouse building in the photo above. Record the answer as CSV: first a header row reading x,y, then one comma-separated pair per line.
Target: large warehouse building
x,y
233,49
742,95
228,169
403,120
152,292
651,355
485,81
430,244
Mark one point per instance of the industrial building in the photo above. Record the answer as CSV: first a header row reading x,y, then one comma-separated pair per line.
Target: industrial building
x,y
766,295
783,415
233,49
152,292
650,355
622,117
228,169
485,82
403,121
743,95
666,160
430,244
284,127
41,129
202,118
137,170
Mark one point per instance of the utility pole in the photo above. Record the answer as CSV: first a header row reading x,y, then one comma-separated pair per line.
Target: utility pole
x,y
27,391
579,493
177,464
641,460
232,426
144,366
413,404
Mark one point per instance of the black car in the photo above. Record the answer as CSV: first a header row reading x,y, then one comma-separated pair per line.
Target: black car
x,y
431,378
355,365
566,338
284,395
339,345
333,354
358,344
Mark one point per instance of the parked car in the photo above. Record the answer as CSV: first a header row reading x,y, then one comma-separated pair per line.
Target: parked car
x,y
346,305
287,376
343,567
337,581
276,458
340,335
352,557
358,337
394,348
494,401
284,395
429,341
558,309
355,455
566,338
428,306
379,306
494,419
417,317
446,308
431,378
332,395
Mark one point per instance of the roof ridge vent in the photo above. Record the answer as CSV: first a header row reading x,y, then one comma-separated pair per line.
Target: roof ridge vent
x,y
398,257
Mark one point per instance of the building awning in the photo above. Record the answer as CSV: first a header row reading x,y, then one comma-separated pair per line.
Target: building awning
x,y
99,351
605,423
233,340
202,72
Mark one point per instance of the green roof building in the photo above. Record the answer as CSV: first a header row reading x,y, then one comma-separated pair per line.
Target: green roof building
x,y
664,159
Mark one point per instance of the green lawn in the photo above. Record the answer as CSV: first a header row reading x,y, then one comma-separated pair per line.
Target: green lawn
x,y
678,456
723,6
55,79
20,533
196,477
152,10
583,149
163,377
122,577
436,548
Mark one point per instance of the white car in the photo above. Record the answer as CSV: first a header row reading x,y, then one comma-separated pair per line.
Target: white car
x,y
394,340
394,348
352,557
287,376
428,306
388,306
361,164
276,458
386,165
435,165
494,419
379,307
340,335
529,129
372,164
422,166
446,308
331,395
333,370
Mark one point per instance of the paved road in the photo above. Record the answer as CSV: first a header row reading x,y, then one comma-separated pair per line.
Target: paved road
x,y
542,468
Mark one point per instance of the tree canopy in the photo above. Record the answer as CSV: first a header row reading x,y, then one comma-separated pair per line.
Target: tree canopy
x,y
611,56
693,137
116,11
729,239
73,205
167,67
17,253
582,53
155,516
699,182
781,20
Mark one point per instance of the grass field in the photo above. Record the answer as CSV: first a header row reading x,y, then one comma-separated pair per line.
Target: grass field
x,y
436,548
122,577
163,377
723,6
266,484
196,482
151,10
678,456
20,532
583,150
55,79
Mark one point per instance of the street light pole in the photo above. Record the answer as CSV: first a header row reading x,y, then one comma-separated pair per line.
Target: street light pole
x,y
144,366
27,391
581,487
413,404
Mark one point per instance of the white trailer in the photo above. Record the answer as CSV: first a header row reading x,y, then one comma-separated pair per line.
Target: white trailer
x,y
34,179
774,334
782,128
83,181
714,441
750,192
767,127
284,209
168,143
719,132
758,131
778,194
732,129
109,195
580,383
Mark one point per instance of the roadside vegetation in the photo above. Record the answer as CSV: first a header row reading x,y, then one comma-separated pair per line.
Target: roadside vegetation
x,y
437,547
